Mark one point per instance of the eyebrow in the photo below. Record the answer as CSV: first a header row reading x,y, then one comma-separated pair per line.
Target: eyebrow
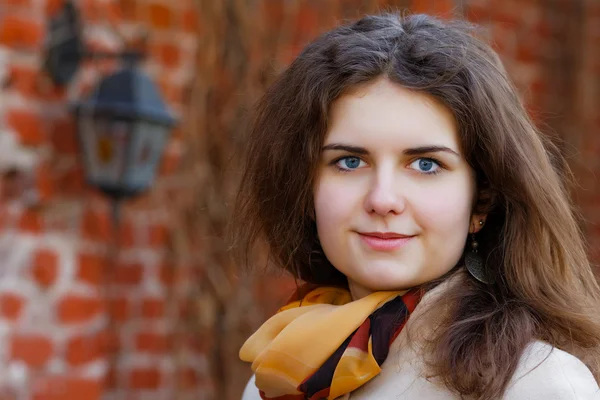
x,y
409,152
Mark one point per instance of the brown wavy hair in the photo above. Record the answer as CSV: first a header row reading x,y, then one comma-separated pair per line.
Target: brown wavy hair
x,y
544,285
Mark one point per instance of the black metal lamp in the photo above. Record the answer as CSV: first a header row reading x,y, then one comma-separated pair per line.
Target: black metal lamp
x,y
123,126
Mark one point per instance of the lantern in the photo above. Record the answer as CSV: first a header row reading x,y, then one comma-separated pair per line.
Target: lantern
x,y
123,128
124,125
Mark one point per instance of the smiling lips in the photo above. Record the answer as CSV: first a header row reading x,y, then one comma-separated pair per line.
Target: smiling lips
x,y
384,241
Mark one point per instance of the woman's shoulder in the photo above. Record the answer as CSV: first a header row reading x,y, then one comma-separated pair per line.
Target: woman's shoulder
x,y
546,372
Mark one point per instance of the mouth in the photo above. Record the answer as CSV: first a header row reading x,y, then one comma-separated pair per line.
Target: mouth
x,y
384,241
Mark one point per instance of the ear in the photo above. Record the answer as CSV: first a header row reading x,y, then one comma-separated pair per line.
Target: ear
x,y
484,203
477,222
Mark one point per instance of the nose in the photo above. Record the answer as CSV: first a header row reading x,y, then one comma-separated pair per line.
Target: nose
x,y
384,198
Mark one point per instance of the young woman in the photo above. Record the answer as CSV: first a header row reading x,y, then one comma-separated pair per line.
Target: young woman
x,y
394,169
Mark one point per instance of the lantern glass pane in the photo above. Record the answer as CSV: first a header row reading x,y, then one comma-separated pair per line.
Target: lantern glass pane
x,y
105,145
147,146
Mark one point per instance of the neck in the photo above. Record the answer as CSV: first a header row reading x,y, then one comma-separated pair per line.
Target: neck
x,y
358,291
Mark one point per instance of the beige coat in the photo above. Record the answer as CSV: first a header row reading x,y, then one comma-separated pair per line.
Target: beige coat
x,y
543,373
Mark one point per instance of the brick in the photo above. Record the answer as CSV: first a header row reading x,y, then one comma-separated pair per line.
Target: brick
x,y
173,93
273,292
544,30
176,94
110,342
145,378
160,16
53,387
90,268
185,308
190,21
307,20
504,40
91,10
200,343
16,184
45,267
24,80
11,306
153,308
106,11
509,17
195,271
168,54
53,6
31,83
274,12
178,133
83,349
170,162
129,274
96,226
30,221
17,3
158,235
126,233
144,202
478,13
129,9
13,184
152,342
593,10
188,378
120,309
110,381
72,181
73,308
20,32
44,182
528,53
113,12
63,137
28,125
442,8
166,273
34,350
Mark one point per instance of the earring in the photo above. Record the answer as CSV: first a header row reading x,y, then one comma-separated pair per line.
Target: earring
x,y
475,264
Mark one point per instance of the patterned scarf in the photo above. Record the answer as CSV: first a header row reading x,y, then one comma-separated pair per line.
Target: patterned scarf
x,y
326,345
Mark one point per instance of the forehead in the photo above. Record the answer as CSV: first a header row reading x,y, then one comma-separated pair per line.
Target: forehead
x,y
382,112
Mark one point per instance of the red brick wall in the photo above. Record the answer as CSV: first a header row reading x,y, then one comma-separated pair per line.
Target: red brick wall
x,y
65,333
550,50
165,316
582,128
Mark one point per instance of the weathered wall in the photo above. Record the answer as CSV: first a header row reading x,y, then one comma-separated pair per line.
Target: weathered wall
x,y
164,317
79,319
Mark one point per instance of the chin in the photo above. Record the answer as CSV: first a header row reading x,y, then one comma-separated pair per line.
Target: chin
x,y
386,282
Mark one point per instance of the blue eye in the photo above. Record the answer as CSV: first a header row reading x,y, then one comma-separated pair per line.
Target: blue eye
x,y
425,165
349,163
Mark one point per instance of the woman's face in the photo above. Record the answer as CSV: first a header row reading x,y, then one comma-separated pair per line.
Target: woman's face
x,y
394,194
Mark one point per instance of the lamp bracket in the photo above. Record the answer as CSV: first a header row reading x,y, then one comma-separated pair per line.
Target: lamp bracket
x,y
65,48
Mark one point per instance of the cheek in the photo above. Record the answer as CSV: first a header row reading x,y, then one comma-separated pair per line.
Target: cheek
x,y
446,209
334,204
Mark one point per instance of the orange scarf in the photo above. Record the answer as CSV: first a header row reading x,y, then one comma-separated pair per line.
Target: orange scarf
x,y
326,345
